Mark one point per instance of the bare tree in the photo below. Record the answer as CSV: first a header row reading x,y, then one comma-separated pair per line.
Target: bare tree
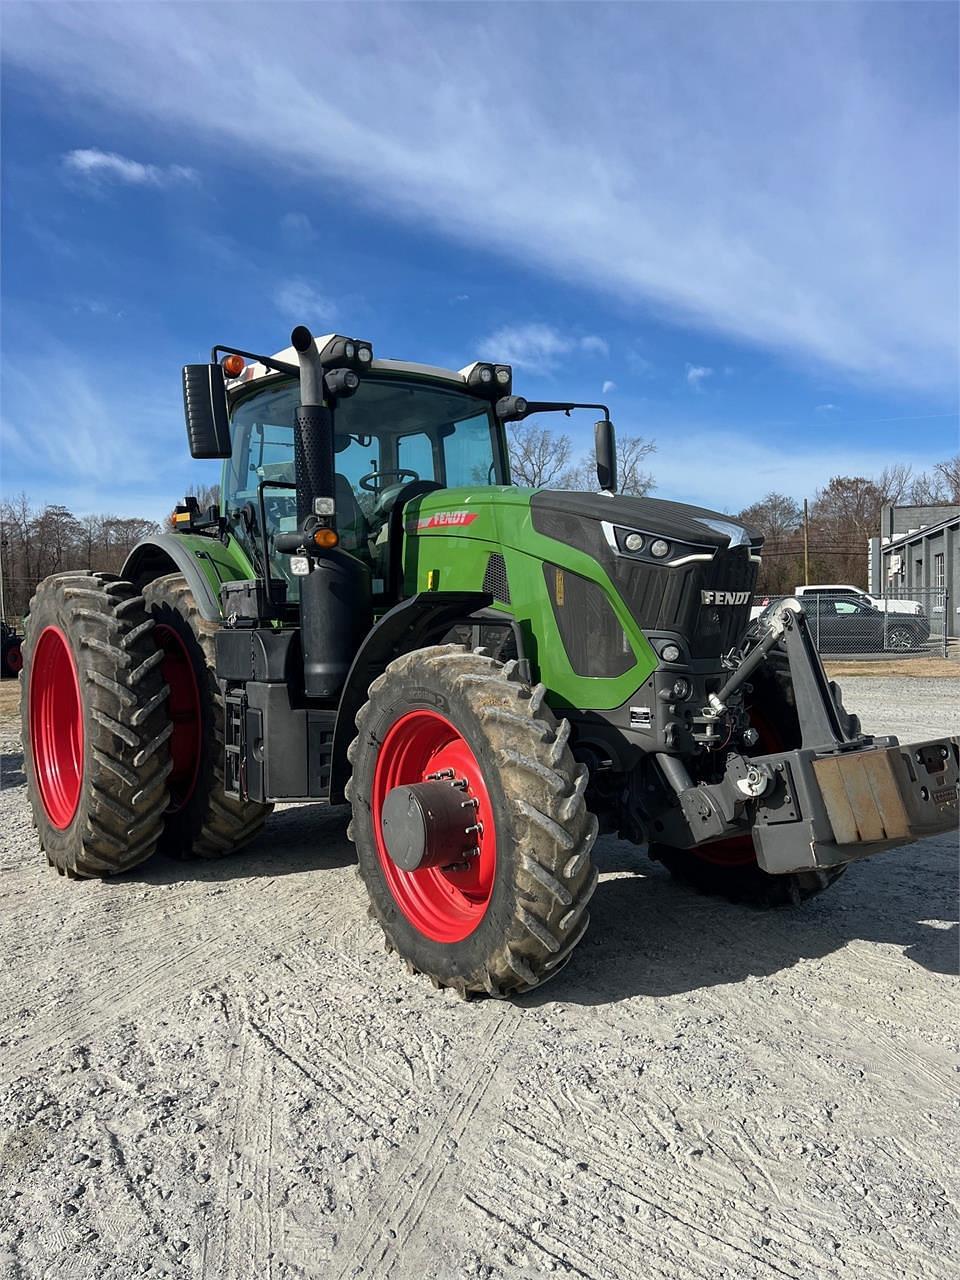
x,y
538,458
632,478
896,483
776,516
38,541
949,472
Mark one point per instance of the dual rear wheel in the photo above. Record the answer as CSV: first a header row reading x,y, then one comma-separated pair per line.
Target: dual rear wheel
x,y
122,726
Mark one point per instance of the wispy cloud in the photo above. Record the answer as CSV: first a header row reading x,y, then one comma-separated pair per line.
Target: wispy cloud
x,y
594,346
826,408
107,166
697,375
537,348
97,438
297,228
845,252
298,301
608,386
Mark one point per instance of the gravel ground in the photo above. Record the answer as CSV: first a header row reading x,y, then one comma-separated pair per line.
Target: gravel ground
x,y
215,1071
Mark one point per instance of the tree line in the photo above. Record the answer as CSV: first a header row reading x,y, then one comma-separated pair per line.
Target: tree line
x,y
37,541
843,515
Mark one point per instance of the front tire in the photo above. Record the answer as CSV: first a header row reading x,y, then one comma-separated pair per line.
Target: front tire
x,y
201,821
506,917
95,729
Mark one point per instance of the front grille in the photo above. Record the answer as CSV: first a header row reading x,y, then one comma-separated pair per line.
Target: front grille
x,y
495,581
662,598
591,632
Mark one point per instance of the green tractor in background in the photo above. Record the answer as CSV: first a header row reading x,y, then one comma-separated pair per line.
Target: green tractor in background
x,y
488,675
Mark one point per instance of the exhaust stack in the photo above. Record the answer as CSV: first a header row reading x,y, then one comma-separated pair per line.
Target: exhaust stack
x,y
313,430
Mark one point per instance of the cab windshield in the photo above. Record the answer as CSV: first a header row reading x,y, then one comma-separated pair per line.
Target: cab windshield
x,y
388,435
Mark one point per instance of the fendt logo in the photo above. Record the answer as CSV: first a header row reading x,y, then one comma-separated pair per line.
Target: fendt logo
x,y
724,597
442,520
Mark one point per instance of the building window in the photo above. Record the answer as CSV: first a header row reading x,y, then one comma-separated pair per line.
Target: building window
x,y
939,577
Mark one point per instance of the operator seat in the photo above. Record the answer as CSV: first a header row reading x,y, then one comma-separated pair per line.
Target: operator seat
x,y
351,522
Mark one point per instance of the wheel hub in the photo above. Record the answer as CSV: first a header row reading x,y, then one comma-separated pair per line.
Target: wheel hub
x,y
430,824
434,826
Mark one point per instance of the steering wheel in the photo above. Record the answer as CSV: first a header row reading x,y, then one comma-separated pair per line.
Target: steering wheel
x,y
365,482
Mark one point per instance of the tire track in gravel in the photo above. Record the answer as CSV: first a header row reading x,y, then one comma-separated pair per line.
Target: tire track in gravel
x,y
158,968
407,1187
242,1243
671,1211
680,1196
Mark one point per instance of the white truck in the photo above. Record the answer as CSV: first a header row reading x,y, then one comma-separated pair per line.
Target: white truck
x,y
884,604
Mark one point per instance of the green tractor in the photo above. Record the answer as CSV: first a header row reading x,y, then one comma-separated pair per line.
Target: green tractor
x,y
488,675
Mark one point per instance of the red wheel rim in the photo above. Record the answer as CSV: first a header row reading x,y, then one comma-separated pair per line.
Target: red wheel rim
x,y
183,707
444,904
15,659
56,726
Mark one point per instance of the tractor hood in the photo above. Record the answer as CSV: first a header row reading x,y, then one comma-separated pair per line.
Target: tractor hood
x,y
687,529
681,571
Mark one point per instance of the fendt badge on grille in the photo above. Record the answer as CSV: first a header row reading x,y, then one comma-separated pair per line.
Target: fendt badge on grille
x,y
724,597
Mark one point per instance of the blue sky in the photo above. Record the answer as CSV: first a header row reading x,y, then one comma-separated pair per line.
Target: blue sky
x,y
739,219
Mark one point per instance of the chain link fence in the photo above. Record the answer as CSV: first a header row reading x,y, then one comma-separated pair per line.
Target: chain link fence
x,y
854,624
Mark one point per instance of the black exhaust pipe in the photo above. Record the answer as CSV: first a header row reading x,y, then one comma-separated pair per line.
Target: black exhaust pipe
x,y
335,608
313,430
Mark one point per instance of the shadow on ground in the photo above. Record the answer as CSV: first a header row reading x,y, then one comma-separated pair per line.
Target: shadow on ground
x,y
11,770
650,936
294,840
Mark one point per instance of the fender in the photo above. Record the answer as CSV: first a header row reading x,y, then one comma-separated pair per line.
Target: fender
x,y
205,562
421,620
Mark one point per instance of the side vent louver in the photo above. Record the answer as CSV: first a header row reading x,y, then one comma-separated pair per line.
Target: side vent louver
x,y
495,581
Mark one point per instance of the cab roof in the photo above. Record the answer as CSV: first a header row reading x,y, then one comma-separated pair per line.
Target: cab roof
x,y
255,370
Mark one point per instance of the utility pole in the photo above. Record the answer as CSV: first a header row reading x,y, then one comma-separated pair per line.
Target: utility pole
x,y
3,543
806,544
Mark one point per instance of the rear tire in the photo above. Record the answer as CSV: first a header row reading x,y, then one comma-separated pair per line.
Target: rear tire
x,y
508,917
95,729
201,821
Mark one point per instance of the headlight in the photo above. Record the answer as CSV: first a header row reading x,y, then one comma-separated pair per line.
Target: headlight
x,y
504,374
670,652
633,542
365,355
659,548
486,373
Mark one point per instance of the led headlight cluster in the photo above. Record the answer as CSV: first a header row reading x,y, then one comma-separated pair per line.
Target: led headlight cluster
x,y
352,352
495,378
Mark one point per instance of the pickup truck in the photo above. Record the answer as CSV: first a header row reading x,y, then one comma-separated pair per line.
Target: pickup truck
x,y
882,603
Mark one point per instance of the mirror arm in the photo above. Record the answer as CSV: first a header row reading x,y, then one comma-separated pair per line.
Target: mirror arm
x,y
279,366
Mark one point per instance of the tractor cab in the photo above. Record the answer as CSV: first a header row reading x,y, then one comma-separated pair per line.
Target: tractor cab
x,y
400,435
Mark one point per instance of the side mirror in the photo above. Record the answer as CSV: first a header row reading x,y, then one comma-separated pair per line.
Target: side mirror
x,y
205,411
605,446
